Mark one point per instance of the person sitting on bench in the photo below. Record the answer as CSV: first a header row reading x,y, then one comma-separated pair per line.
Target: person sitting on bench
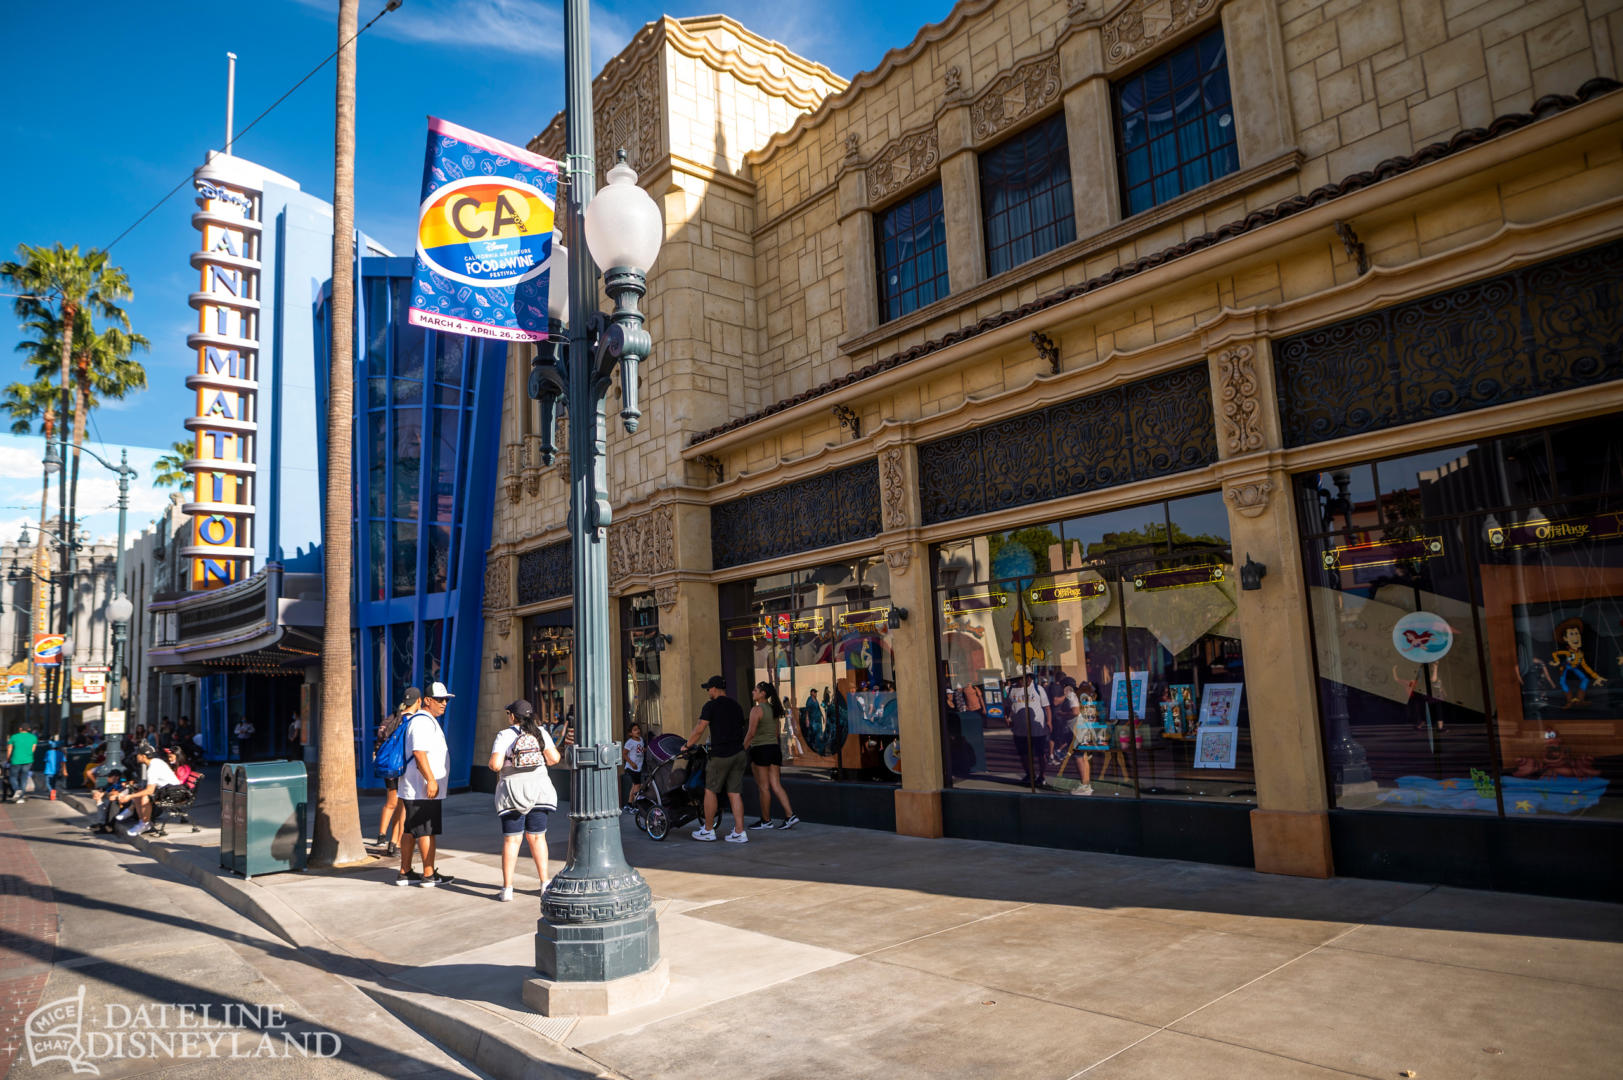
x,y
159,780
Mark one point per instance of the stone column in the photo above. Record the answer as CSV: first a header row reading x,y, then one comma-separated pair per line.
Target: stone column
x,y
1290,828
918,690
1257,80
1089,126
857,255
689,612
961,201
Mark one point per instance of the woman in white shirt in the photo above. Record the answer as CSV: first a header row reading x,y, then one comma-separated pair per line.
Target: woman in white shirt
x,y
524,792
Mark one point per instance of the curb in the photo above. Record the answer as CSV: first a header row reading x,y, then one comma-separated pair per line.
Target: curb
x,y
489,1042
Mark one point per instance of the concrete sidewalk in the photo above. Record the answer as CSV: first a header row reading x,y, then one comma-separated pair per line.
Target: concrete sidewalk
x,y
829,951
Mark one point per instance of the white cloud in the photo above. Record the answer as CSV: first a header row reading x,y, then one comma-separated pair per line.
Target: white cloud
x,y
516,26
17,462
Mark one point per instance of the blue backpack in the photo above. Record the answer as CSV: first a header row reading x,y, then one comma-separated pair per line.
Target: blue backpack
x,y
390,756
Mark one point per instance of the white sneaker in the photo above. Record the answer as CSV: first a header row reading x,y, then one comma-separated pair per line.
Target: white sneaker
x,y
702,833
506,894
124,815
790,822
737,837
137,829
1085,789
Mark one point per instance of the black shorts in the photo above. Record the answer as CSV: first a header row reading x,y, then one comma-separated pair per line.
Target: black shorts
x,y
423,816
771,754
391,783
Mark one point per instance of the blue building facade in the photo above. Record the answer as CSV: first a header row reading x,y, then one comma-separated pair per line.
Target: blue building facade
x,y
427,428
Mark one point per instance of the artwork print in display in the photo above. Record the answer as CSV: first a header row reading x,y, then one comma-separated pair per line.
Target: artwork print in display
x,y
1220,704
1118,695
1216,747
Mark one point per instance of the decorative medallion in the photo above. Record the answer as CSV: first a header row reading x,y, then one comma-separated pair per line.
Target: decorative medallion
x,y
1015,95
1143,23
504,625
853,146
665,596
954,79
902,162
1239,411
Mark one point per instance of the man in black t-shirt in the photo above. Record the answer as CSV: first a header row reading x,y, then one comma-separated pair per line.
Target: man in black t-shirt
x,y
729,735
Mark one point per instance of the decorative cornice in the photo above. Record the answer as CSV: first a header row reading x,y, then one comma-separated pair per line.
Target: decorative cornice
x,y
1014,95
1139,25
927,36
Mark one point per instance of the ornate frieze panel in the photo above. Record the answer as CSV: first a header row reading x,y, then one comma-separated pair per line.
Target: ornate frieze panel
x,y
1554,326
820,511
629,120
893,488
902,162
498,583
545,573
514,480
1143,24
1152,427
1015,95
1238,411
643,545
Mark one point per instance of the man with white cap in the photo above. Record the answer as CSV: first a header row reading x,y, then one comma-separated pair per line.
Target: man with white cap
x,y
422,786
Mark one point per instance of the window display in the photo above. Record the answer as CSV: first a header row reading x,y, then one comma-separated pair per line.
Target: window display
x,y
822,637
1073,655
1468,619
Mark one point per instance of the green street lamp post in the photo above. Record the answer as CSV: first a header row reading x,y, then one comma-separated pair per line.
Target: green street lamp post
x,y
597,918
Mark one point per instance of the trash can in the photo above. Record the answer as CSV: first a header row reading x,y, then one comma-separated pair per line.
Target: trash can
x,y
228,816
269,830
77,758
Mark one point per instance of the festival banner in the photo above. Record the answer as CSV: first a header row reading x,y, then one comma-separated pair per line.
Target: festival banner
x,y
484,234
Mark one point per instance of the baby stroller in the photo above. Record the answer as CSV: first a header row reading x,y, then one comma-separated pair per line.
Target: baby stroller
x,y
673,792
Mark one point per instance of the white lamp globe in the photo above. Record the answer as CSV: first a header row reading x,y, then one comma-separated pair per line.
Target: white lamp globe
x,y
119,608
558,283
28,683
623,225
67,649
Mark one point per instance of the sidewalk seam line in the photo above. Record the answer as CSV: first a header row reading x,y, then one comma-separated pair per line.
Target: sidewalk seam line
x,y
1214,1001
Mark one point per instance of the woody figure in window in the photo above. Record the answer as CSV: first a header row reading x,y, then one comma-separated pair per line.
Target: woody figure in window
x,y
1569,662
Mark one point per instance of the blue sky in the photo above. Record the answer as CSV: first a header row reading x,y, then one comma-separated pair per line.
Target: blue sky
x,y
111,104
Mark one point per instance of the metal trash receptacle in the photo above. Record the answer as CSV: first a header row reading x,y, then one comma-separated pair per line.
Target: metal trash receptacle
x,y
271,797
77,758
228,815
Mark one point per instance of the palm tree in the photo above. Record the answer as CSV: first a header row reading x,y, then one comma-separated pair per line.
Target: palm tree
x,y
337,834
55,287
169,471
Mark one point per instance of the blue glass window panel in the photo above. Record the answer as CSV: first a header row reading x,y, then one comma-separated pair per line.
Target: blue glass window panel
x,y
377,450
408,460
377,561
1181,101
407,392
911,249
408,339
377,392
439,558
1026,195
401,674
403,562
433,666
448,350
442,466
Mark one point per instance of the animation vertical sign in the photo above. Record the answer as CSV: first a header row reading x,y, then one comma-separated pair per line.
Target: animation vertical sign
x,y
484,233
225,381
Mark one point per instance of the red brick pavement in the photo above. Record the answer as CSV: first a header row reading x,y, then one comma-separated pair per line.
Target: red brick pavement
x,y
27,938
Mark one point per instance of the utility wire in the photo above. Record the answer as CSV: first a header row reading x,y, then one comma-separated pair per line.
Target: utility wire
x,y
389,5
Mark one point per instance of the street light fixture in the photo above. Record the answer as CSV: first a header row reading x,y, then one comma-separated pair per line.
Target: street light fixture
x,y
53,459
597,917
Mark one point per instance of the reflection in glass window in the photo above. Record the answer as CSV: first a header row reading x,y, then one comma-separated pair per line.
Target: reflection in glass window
x,y
641,647
822,638
1087,656
549,671
403,560
911,238
1470,642
1026,195
401,672
1175,124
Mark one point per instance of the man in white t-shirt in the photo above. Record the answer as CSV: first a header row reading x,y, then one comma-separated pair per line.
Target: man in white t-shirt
x,y
158,776
422,786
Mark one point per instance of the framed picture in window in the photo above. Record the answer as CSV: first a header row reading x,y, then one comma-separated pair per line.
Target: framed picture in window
x,y
1216,747
1220,705
1119,691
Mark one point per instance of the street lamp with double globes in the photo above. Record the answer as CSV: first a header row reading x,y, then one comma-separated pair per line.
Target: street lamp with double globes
x,y
597,918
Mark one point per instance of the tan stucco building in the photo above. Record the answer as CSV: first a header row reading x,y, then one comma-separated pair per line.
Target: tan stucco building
x,y
1043,329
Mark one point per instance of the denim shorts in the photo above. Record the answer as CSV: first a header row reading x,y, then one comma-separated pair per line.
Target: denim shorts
x,y
517,821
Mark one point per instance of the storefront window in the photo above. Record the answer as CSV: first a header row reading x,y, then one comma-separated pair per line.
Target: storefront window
x,y
1468,625
641,645
1097,656
822,638
549,669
